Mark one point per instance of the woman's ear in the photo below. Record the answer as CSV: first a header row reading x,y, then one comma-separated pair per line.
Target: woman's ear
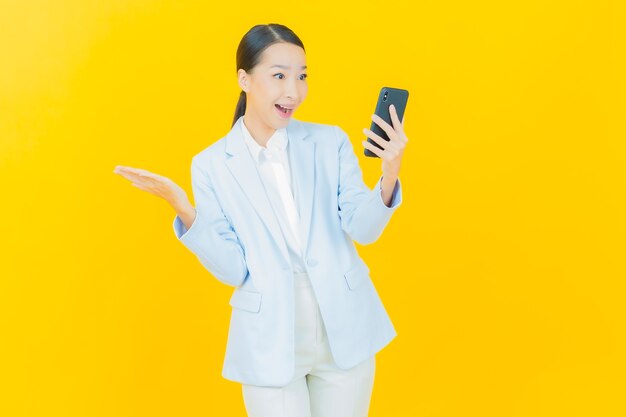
x,y
242,78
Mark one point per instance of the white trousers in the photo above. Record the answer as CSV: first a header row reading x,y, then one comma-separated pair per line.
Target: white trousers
x,y
319,388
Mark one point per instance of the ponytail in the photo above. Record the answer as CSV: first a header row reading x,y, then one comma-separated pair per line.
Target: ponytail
x,y
241,107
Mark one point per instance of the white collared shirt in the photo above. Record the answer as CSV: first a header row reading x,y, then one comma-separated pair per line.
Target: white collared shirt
x,y
272,163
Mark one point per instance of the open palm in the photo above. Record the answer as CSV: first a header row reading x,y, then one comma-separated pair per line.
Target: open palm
x,y
155,184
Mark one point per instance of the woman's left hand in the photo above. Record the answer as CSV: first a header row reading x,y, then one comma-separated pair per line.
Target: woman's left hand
x,y
392,151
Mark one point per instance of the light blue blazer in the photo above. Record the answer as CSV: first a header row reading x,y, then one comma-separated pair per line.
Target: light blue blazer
x,y
237,238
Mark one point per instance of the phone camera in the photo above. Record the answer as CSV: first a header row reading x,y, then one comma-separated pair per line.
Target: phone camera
x,y
385,96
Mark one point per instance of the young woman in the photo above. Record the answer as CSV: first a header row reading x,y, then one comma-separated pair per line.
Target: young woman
x,y
278,204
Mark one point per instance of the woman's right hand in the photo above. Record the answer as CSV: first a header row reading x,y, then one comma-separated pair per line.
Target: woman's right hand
x,y
158,185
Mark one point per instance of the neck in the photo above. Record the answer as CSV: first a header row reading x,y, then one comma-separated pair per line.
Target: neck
x,y
260,131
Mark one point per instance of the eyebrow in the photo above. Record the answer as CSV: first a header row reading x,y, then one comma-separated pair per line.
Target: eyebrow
x,y
286,66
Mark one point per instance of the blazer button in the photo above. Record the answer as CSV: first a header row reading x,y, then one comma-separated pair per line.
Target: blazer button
x,y
311,262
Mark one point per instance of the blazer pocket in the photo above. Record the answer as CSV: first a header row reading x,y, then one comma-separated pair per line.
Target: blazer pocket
x,y
357,275
246,300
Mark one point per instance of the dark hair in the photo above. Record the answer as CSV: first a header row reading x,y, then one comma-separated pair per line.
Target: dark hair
x,y
253,43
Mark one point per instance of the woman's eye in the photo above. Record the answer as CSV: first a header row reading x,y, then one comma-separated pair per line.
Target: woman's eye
x,y
303,76
280,75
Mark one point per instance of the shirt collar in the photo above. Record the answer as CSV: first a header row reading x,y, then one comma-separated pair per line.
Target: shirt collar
x,y
278,141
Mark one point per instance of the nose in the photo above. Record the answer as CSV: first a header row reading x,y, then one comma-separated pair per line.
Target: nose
x,y
291,91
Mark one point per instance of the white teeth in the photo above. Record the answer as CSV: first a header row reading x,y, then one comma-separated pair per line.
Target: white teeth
x,y
283,109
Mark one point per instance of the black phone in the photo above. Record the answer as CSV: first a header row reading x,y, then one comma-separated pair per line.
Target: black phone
x,y
387,96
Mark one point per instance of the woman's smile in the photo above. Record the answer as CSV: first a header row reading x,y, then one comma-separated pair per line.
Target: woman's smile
x,y
284,112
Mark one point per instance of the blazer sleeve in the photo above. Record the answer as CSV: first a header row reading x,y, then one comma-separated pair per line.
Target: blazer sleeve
x,y
211,237
362,211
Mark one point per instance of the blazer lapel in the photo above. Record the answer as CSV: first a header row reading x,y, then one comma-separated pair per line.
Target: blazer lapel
x,y
302,165
241,165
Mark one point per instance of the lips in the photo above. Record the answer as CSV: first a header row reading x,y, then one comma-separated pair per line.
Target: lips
x,y
283,112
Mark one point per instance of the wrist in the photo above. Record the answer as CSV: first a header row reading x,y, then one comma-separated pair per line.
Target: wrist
x,y
388,180
183,208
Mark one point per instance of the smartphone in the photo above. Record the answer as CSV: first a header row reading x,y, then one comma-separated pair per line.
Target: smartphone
x,y
387,96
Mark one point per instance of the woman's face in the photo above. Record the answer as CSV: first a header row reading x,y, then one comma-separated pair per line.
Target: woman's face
x,y
278,80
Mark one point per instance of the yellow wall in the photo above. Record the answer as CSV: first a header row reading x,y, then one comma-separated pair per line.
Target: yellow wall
x,y
503,271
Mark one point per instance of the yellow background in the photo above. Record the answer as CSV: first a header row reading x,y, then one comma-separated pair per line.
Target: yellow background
x,y
503,271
